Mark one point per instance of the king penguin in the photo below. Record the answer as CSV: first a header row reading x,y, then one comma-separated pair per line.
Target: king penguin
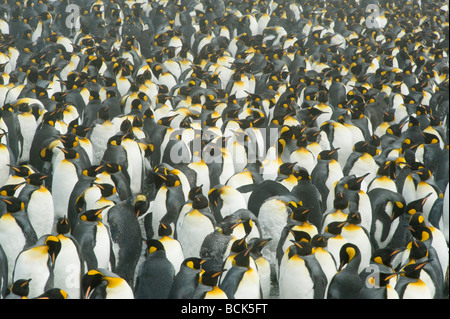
x,y
264,270
36,263
346,283
104,284
186,280
94,239
38,204
301,276
68,261
64,178
16,232
126,239
409,284
155,275
173,249
197,224
241,280
387,207
207,286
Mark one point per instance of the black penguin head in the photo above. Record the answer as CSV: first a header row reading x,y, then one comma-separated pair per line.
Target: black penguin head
x,y
53,293
299,212
193,263
210,277
106,189
90,281
154,245
257,244
328,154
319,240
10,189
416,206
301,248
92,215
36,179
54,247
13,204
340,201
361,147
239,245
242,258
384,256
301,173
300,236
418,250
424,174
348,253
195,191
63,226
286,169
200,202
69,153
21,170
164,229
21,287
141,205
335,228
354,183
93,170
413,270
354,218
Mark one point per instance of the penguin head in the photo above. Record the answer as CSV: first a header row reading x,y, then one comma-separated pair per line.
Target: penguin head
x,y
36,179
21,287
194,262
154,245
298,211
257,244
13,204
340,201
90,281
195,191
239,245
319,240
92,215
106,189
300,236
93,170
10,189
286,169
63,226
348,253
354,218
200,202
242,258
416,206
54,246
210,277
301,248
301,173
53,293
413,270
141,205
69,153
21,170
418,250
424,174
354,183
164,229
328,155
335,228
384,256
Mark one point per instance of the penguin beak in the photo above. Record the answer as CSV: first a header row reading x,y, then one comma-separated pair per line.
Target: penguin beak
x,y
88,291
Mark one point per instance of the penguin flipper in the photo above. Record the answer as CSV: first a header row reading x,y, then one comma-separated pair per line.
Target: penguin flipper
x,y
319,278
231,281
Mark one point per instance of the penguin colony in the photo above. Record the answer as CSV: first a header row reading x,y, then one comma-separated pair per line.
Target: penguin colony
x,y
111,112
